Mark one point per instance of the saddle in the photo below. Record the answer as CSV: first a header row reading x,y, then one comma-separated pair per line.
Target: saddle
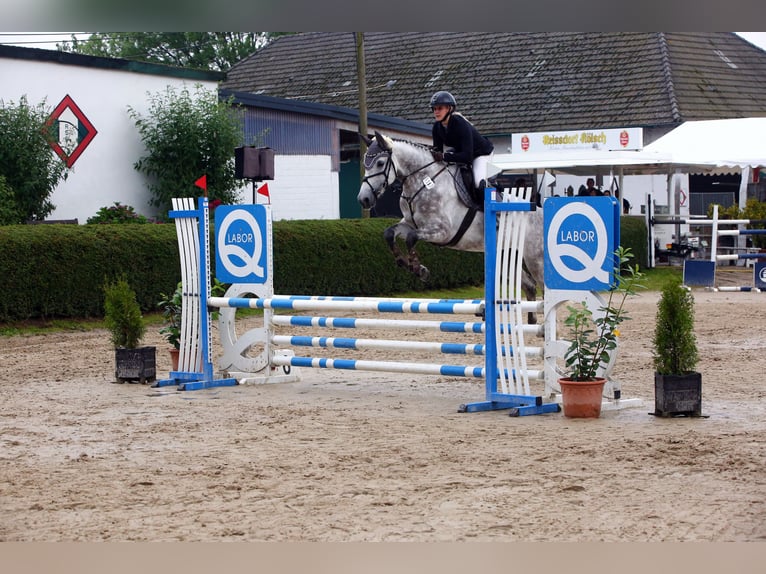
x,y
466,189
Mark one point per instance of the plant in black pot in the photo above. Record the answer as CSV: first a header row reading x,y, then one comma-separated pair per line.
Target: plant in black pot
x,y
677,386
123,318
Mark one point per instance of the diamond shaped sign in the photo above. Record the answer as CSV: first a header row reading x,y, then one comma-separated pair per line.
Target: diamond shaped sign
x,y
71,131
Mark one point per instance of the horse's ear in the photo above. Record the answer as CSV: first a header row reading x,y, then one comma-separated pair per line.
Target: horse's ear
x,y
366,139
385,143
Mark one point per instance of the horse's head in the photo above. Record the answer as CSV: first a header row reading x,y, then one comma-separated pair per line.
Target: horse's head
x,y
379,169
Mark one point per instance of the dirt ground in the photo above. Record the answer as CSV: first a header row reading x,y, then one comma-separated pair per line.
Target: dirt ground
x,y
354,456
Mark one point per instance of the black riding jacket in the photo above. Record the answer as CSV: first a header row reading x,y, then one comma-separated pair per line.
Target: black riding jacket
x,y
465,140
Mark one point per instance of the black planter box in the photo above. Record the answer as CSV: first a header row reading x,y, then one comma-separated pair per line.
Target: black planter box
x,y
135,364
678,394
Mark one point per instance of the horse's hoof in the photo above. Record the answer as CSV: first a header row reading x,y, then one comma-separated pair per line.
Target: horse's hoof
x,y
424,274
402,263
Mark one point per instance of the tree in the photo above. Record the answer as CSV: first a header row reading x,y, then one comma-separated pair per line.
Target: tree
x,y
186,136
201,50
28,166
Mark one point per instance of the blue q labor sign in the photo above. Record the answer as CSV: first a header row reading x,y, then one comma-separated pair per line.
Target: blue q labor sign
x,y
759,275
241,244
581,236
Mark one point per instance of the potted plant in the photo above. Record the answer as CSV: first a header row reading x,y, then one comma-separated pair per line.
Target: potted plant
x,y
122,316
677,386
593,339
171,306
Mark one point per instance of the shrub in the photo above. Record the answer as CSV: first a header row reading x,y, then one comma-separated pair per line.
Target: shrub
x,y
122,314
675,345
31,170
187,135
117,213
9,210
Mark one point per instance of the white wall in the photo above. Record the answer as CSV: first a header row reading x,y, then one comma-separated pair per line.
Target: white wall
x,y
304,187
104,173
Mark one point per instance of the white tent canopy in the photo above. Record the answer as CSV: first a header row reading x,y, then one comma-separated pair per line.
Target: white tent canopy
x,y
734,143
693,147
710,146
585,162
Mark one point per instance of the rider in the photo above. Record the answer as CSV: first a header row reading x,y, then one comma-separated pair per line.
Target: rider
x,y
456,140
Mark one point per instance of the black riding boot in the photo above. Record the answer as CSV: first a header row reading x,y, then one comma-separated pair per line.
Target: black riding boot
x,y
478,195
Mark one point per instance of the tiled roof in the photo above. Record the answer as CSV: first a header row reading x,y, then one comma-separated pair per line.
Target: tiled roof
x,y
511,82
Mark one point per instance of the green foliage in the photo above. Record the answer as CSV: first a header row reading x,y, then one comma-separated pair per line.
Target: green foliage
x,y
754,210
171,306
199,50
49,271
30,168
349,257
117,213
186,136
592,339
634,235
675,345
55,270
9,210
122,314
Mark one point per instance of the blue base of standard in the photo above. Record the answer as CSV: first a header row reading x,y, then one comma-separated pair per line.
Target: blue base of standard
x,y
519,405
193,381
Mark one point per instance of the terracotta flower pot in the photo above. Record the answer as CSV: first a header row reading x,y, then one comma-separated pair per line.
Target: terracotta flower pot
x,y
581,399
174,359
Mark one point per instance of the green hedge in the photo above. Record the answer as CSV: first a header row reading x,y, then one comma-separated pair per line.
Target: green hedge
x,y
633,234
53,270
349,257
56,270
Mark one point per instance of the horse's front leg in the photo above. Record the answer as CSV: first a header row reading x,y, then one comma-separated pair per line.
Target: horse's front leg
x,y
421,271
390,236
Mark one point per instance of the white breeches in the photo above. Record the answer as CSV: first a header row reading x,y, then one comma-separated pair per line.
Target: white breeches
x,y
480,168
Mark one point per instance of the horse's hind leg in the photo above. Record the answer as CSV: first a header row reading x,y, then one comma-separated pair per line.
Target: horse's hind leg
x,y
529,286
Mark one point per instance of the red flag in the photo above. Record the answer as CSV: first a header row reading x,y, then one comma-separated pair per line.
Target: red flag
x,y
202,182
264,190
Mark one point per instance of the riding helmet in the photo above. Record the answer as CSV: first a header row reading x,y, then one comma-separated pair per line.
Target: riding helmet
x,y
443,98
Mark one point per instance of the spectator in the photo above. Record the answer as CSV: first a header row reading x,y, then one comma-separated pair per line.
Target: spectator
x,y
591,188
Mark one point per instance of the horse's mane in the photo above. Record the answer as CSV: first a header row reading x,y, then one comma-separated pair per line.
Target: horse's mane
x,y
421,148
419,145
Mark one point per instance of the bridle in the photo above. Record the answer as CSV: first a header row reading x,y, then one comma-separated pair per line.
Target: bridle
x,y
398,184
369,160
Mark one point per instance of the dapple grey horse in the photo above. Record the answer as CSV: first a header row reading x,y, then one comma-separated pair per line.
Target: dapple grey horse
x,y
432,208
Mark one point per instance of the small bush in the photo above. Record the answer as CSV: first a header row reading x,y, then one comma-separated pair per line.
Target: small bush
x,y
675,345
117,213
122,314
